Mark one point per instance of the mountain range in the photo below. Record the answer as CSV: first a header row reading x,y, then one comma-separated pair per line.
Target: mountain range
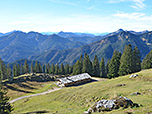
x,y
66,47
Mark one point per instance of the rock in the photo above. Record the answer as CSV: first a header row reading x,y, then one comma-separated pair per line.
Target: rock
x,y
108,105
136,93
119,85
133,76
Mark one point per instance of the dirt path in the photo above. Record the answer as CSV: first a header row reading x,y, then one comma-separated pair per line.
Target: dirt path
x,y
43,93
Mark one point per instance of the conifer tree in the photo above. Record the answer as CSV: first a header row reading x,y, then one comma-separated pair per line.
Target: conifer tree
x,y
22,69
96,69
126,64
76,68
114,65
81,63
18,70
147,61
1,70
62,69
32,68
40,68
36,67
5,106
43,68
10,78
102,68
26,67
14,70
87,65
57,69
46,68
66,69
136,67
52,69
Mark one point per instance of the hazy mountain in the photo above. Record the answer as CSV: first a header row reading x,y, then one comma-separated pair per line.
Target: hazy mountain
x,y
103,48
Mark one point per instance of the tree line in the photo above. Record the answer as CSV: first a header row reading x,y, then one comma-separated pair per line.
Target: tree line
x,y
120,64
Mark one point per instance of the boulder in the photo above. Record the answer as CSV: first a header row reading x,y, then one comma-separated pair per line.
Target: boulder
x,y
133,76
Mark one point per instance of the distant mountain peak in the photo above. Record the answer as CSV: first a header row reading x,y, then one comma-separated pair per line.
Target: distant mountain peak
x,y
120,30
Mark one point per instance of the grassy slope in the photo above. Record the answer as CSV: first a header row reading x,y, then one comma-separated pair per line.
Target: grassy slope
x,y
75,100
19,89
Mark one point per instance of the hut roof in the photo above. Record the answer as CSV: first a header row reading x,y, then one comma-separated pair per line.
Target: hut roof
x,y
75,78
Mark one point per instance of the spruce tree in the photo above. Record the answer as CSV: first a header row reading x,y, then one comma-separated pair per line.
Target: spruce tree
x,y
136,60
57,69
62,69
147,61
32,68
1,70
76,68
26,67
87,65
107,68
102,68
5,106
96,69
10,78
81,63
40,68
52,69
126,65
21,69
67,69
114,65
14,70
36,67
18,70
43,70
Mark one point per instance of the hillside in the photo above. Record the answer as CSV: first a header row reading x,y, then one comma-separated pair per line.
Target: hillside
x,y
102,48
77,99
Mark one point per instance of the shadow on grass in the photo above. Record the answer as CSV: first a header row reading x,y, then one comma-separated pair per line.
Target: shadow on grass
x,y
25,86
37,112
15,89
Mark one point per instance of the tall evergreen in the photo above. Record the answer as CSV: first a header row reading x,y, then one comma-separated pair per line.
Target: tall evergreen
x,y
52,69
81,63
136,60
5,106
9,73
26,67
67,69
46,68
87,65
43,68
96,69
147,61
36,67
21,69
102,68
40,68
18,69
1,70
62,69
32,68
57,69
14,70
76,68
114,65
126,64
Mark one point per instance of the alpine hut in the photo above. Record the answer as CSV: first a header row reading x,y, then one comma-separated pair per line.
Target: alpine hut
x,y
74,80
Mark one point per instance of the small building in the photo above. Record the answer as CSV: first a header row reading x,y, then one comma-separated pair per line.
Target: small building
x,y
74,80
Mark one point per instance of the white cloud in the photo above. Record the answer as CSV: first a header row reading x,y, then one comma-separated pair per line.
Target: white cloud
x,y
138,4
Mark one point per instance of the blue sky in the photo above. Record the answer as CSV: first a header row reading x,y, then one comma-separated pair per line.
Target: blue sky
x,y
93,16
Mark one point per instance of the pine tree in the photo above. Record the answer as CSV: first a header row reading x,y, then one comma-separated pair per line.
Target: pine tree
x,y
96,70
87,65
57,69
10,78
136,67
76,68
81,63
18,70
114,65
40,68
26,67
67,69
32,68
62,69
43,68
5,106
36,67
102,68
14,70
1,70
52,69
147,61
126,64
22,69
46,68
